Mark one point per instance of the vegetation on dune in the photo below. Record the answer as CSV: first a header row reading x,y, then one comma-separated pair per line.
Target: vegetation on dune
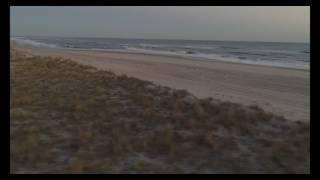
x,y
70,118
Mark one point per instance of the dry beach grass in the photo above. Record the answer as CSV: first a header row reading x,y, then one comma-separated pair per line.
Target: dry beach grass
x,y
71,118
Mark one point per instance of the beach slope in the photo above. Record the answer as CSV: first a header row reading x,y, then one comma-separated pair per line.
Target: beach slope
x,y
282,91
66,117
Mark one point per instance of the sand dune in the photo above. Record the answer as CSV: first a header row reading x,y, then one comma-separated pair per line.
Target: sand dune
x,y
66,117
282,91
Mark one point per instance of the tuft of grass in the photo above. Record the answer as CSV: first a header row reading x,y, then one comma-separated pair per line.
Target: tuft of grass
x,y
138,166
199,112
20,114
163,141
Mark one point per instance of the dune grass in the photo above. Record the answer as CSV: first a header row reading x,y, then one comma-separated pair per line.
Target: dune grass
x,y
70,118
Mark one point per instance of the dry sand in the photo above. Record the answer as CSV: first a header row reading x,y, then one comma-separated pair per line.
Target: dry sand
x,y
282,91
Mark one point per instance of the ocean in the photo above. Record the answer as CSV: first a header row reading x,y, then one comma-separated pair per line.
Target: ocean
x,y
290,55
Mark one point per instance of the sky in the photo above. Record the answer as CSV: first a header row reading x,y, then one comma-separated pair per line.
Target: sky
x,y
240,23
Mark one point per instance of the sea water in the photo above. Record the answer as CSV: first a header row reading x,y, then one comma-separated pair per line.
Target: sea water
x,y
279,54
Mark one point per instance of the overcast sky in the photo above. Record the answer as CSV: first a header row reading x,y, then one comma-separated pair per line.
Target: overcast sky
x,y
285,24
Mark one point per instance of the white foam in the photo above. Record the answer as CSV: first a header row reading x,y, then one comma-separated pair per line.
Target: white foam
x,y
215,57
22,41
144,45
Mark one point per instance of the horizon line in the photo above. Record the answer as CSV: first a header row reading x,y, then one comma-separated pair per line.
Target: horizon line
x,y
305,42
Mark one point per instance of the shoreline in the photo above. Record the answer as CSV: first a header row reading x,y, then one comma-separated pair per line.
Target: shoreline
x,y
187,58
283,91
144,52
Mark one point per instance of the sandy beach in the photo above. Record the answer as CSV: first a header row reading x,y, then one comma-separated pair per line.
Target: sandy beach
x,y
284,92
